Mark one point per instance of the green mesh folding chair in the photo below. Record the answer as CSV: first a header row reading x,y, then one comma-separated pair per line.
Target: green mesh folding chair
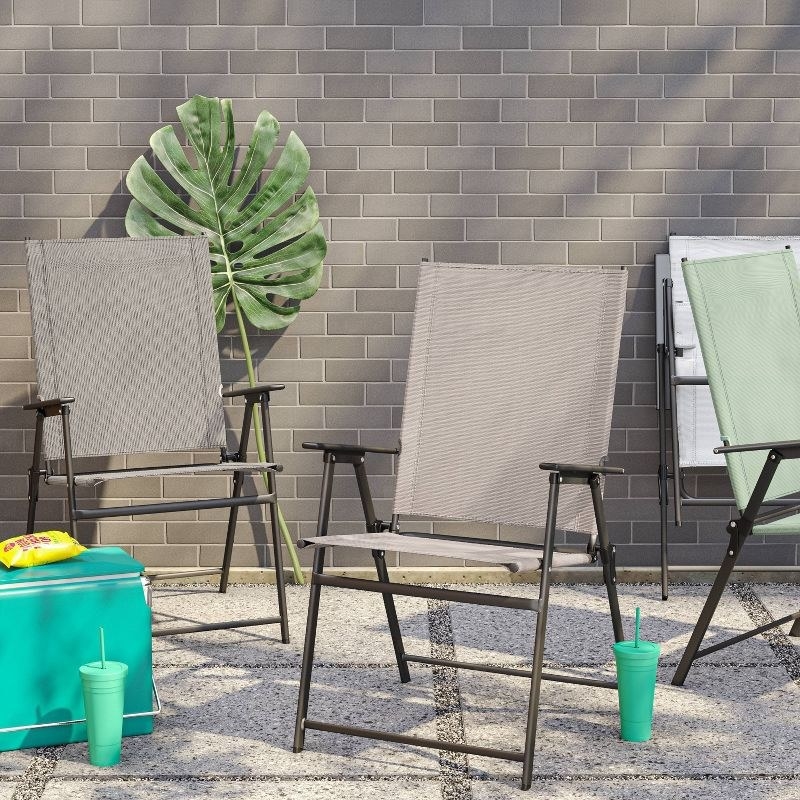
x,y
127,362
510,367
747,312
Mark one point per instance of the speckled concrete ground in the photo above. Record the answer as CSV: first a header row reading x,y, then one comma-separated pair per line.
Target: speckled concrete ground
x,y
229,703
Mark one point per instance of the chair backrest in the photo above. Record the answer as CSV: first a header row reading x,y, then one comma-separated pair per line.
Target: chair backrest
x,y
747,312
510,366
126,327
698,433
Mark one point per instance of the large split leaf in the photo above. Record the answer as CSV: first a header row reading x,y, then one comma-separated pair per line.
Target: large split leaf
x,y
266,246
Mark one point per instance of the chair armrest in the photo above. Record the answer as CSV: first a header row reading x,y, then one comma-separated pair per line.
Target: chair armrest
x,y
581,469
252,390
49,407
350,449
786,449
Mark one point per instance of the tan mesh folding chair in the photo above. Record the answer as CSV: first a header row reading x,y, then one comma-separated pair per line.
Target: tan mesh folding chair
x,y
510,367
127,358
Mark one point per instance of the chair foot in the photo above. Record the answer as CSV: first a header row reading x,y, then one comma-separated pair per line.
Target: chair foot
x,y
795,629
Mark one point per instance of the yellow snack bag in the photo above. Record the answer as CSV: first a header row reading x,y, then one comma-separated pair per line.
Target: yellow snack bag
x,y
33,549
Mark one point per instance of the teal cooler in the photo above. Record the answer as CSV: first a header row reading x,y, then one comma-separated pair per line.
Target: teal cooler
x,y
51,615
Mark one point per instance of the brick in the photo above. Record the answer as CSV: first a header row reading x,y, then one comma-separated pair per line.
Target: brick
x,y
469,252
466,110
363,229
561,86
84,133
392,205
600,12
664,157
742,205
286,38
19,229
423,133
769,181
489,133
460,157
731,158
359,182
616,182
586,61
430,230
548,62
385,299
701,38
117,61
786,37
627,37
495,38
562,181
521,12
52,157
24,86
52,110
602,110
766,133
149,86
527,158
630,86
458,12
386,12
252,12
786,110
344,369
457,61
718,12
118,110
688,133
43,12
596,157
355,133
359,38
781,158
464,206
11,62
672,205
531,205
604,253
739,110
654,12
557,133
428,182
405,109
684,62
634,230
181,61
561,229
635,133
767,227
671,109
221,37
48,61
493,86
357,86
115,12
539,110
220,85
694,181
698,86
111,157
499,230
20,181
159,37
533,253
766,85
592,205
86,182
326,62
742,61
782,206
331,110
410,62
439,37
394,253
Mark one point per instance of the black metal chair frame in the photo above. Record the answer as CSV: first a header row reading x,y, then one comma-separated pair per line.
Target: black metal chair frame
x,y
257,394
667,381
740,529
559,474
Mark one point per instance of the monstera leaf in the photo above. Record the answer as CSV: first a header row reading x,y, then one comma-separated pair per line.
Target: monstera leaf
x,y
266,247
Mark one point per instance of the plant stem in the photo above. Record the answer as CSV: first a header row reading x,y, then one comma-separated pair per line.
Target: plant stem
x,y
251,375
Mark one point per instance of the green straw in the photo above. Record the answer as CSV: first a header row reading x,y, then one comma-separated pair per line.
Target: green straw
x,y
103,649
635,627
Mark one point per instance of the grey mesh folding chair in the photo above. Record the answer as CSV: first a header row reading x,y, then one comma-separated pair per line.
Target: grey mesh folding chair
x,y
511,367
747,312
127,358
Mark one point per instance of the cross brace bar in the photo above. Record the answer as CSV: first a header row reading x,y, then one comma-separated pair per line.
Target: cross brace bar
x,y
217,626
741,637
179,505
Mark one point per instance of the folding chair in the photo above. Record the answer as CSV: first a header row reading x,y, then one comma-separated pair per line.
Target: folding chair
x,y
685,412
126,356
747,312
509,366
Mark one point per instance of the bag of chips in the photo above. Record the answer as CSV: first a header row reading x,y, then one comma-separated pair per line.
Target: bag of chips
x,y
33,549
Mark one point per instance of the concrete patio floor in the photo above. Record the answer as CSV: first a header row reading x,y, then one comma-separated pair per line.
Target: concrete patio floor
x,y
229,703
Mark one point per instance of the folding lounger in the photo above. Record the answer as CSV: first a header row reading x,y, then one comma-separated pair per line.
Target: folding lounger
x,y
747,312
511,367
686,421
127,362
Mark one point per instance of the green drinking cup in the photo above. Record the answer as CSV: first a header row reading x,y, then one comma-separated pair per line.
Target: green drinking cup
x,y
636,679
103,698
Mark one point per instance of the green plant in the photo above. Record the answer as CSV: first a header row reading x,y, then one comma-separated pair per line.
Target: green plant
x,y
266,246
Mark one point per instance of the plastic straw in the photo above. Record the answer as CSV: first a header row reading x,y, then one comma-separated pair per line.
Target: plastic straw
x,y
635,627
103,648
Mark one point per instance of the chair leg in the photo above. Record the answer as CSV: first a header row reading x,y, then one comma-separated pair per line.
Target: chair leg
x,y
391,616
664,546
541,627
608,558
712,601
280,584
795,629
308,652
227,557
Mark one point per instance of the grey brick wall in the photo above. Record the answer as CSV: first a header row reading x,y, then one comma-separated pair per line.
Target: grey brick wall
x,y
485,130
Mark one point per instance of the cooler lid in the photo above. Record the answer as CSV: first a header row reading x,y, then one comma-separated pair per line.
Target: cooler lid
x,y
92,563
